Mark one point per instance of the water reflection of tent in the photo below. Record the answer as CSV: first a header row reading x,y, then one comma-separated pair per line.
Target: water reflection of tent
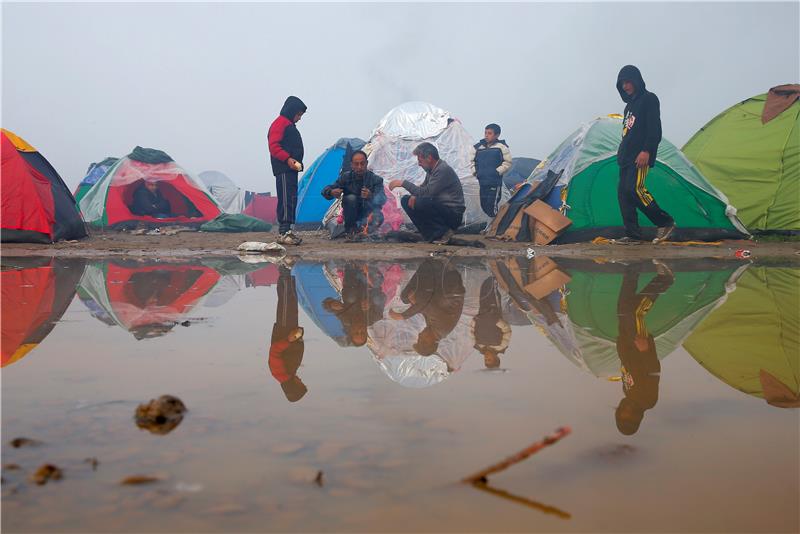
x,y
390,341
752,341
147,300
35,294
312,289
586,328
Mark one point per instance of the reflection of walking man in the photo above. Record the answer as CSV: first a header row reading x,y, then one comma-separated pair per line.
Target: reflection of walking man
x,y
637,348
641,134
286,349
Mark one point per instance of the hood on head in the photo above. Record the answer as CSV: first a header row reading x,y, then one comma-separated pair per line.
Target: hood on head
x,y
292,107
631,73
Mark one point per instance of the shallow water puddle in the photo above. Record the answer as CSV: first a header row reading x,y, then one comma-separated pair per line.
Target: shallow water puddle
x,y
352,396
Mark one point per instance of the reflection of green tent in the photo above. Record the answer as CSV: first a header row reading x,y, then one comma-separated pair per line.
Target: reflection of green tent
x,y
756,164
757,329
588,336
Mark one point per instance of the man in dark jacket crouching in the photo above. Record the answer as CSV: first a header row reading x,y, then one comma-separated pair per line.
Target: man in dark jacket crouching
x,y
362,196
436,207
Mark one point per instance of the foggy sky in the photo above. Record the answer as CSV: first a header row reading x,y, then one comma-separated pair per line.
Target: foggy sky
x,y
203,81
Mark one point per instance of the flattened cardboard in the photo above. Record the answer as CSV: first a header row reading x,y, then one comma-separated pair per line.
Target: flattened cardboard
x,y
545,222
548,283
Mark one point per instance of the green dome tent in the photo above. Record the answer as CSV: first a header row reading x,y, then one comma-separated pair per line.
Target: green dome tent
x,y
755,163
752,342
586,192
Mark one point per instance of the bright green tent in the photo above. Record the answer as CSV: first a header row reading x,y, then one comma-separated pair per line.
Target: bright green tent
x,y
757,165
587,189
588,323
752,342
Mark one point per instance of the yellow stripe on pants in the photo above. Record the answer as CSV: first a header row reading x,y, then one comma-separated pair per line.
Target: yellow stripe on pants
x,y
641,190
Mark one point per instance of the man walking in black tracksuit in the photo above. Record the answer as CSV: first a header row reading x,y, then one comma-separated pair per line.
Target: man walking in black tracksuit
x,y
286,156
641,134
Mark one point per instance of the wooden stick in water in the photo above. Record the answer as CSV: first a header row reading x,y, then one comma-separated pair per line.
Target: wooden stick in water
x,y
547,509
481,476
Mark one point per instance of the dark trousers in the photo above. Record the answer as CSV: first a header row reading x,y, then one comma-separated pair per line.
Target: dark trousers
x,y
633,194
286,183
357,213
431,218
490,198
286,312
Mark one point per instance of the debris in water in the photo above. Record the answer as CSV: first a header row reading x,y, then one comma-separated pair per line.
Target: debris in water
x,y
138,480
24,442
227,509
11,467
185,323
547,509
742,253
93,462
530,253
318,479
161,415
481,476
45,473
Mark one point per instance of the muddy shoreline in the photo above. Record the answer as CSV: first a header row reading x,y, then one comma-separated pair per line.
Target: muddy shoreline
x,y
316,246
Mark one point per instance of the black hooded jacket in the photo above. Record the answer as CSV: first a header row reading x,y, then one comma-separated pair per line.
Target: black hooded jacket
x,y
284,138
641,125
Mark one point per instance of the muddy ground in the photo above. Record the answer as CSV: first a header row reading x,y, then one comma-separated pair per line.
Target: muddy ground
x,y
316,246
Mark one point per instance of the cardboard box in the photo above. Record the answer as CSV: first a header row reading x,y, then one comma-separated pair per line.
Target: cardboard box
x,y
540,266
541,287
545,222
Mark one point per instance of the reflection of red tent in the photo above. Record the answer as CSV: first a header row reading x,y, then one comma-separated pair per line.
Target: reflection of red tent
x,y
148,300
35,294
267,276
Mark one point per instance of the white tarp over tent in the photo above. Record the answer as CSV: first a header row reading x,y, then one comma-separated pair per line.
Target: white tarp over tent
x,y
231,197
403,128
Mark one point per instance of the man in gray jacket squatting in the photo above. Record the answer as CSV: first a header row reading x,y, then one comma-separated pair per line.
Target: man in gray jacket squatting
x,y
436,207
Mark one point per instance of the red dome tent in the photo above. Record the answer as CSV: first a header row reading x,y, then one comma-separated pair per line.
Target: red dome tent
x,y
37,206
108,202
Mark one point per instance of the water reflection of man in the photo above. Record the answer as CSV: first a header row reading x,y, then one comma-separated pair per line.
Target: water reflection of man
x,y
155,290
491,332
362,301
437,292
286,348
636,346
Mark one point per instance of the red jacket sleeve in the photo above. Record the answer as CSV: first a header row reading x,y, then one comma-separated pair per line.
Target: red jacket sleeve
x,y
276,136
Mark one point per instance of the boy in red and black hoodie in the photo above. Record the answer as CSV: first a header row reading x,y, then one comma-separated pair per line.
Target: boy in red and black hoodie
x,y
641,134
286,347
286,156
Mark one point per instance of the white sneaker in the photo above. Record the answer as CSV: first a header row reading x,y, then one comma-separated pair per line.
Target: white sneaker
x,y
290,239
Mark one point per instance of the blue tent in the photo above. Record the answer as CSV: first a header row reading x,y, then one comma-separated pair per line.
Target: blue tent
x,y
521,169
312,289
93,174
311,206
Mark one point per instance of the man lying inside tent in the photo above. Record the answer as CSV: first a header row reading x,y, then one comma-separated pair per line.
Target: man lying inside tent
x,y
148,200
436,207
362,197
